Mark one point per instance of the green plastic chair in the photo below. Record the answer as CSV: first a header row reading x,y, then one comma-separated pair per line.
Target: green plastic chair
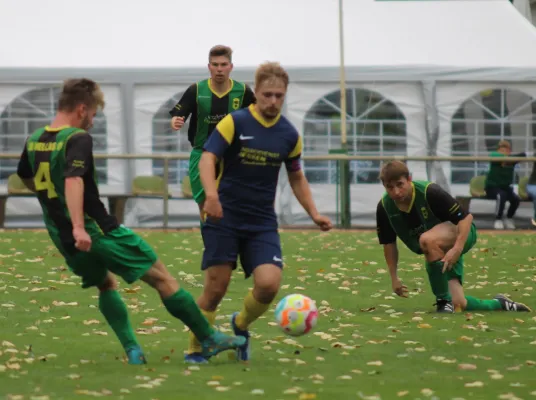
x,y
16,186
149,186
522,188
477,186
186,188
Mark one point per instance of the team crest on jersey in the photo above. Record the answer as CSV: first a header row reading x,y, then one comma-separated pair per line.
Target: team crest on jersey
x,y
424,212
236,103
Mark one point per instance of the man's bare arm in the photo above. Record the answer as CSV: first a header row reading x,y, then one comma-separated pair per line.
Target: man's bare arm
x,y
390,252
74,197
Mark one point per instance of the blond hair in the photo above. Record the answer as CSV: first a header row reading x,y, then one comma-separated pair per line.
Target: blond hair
x,y
80,91
393,171
268,71
504,144
221,50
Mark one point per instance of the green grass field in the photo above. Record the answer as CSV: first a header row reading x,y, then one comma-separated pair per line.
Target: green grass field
x,y
368,344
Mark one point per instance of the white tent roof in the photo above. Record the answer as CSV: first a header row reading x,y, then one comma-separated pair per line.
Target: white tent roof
x,y
487,39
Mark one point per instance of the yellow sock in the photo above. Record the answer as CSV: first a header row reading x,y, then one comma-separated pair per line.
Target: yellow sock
x,y
194,345
250,312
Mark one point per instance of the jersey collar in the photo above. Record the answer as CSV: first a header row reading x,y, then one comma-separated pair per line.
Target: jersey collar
x,y
222,94
260,119
49,129
412,199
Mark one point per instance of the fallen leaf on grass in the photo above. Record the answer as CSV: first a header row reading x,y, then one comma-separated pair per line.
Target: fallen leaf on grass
x,y
257,392
402,393
427,392
91,322
222,388
375,363
474,384
307,396
467,367
424,326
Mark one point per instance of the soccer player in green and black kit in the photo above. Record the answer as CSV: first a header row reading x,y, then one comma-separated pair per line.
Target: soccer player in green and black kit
x,y
430,221
57,163
208,101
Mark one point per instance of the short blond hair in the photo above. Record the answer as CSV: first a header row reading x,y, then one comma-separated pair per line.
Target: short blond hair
x,y
393,171
504,144
221,50
80,91
270,70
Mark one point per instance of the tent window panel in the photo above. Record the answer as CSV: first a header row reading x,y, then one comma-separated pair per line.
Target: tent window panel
x,y
483,120
375,126
165,140
12,143
13,127
365,171
33,110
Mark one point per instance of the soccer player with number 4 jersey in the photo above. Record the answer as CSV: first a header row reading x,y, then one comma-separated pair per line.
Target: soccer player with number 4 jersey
x,y
57,163
430,221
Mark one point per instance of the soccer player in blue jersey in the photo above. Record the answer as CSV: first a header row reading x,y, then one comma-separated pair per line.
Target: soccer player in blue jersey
x,y
239,171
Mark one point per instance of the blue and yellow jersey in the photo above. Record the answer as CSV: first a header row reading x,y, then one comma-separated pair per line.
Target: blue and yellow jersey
x,y
250,152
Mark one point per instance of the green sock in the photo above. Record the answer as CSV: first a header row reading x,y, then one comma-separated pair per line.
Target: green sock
x,y
438,281
474,304
115,311
183,306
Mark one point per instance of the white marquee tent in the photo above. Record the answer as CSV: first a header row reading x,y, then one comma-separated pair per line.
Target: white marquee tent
x,y
423,77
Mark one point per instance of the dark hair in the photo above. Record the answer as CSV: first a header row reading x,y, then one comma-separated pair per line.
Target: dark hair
x,y
221,50
393,171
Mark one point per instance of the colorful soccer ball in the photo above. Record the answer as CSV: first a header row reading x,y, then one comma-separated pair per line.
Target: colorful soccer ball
x,y
296,314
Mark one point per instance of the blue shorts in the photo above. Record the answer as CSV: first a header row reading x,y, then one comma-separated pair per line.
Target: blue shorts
x,y
224,245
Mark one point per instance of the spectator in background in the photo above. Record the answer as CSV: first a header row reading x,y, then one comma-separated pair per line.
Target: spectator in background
x,y
531,190
499,182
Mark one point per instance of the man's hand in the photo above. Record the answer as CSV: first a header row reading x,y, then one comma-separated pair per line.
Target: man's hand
x,y
177,123
450,258
323,222
399,288
212,207
82,239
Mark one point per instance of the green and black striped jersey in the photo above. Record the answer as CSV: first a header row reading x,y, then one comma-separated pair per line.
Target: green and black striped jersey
x,y
50,156
207,108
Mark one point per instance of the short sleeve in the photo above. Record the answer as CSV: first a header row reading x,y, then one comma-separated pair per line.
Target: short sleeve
x,y
293,161
24,169
78,155
443,205
385,232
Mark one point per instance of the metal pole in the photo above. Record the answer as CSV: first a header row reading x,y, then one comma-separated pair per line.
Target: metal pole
x,y
166,193
342,82
344,165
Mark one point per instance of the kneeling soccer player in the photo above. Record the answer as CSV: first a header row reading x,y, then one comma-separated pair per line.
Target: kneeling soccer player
x,y
247,148
57,163
430,221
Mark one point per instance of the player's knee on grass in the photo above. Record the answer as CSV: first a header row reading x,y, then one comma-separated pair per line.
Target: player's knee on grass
x,y
217,279
267,278
109,283
161,279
